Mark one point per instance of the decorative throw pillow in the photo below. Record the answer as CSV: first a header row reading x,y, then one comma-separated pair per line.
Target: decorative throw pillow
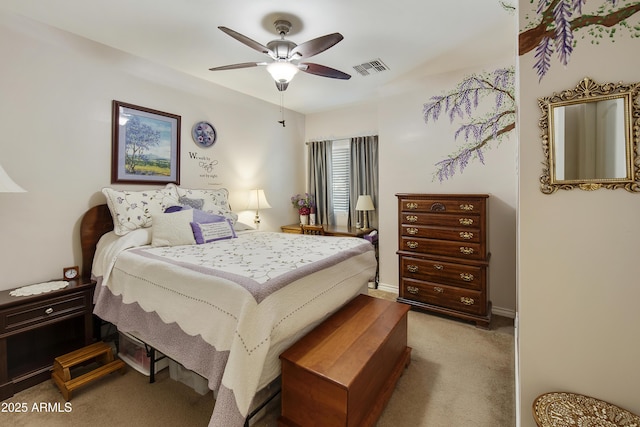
x,y
133,209
212,231
194,203
198,215
216,201
173,229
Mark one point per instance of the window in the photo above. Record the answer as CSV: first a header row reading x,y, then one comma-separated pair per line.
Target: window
x,y
340,177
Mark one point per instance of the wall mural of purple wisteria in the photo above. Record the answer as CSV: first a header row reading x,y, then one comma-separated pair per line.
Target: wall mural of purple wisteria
x,y
480,131
556,24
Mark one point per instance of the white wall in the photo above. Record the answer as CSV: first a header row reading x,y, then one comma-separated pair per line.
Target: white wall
x,y
55,116
408,150
578,287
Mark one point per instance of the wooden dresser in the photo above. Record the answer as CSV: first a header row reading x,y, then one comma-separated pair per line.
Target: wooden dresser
x,y
444,258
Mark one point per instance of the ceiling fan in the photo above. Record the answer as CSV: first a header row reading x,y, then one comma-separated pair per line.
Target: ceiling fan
x,y
287,55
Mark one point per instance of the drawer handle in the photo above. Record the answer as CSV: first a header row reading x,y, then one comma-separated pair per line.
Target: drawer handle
x,y
438,207
48,310
412,244
468,207
412,205
412,290
438,266
466,250
466,221
466,235
467,300
438,289
412,230
412,268
412,218
466,277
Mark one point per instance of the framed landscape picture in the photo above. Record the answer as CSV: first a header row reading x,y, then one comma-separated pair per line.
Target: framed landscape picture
x,y
146,145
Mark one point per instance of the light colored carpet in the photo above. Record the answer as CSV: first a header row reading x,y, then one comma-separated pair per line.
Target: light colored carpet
x,y
459,376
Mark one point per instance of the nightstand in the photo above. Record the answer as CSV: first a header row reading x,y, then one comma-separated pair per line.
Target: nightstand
x,y
36,329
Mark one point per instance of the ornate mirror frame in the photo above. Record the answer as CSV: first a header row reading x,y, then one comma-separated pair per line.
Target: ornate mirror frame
x,y
587,91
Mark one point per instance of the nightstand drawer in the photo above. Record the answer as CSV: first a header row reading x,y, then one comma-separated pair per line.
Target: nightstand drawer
x,y
43,312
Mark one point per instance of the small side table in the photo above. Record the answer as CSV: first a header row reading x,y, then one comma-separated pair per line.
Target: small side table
x,y
570,410
37,328
330,230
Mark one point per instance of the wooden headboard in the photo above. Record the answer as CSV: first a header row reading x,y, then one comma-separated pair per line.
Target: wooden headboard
x,y
95,222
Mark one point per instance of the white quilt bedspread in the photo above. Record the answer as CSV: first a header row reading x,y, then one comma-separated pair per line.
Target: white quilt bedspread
x,y
252,296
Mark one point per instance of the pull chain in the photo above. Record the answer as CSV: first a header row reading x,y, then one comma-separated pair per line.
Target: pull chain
x,y
282,108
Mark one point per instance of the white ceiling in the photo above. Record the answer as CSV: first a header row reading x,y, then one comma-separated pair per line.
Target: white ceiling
x,y
407,35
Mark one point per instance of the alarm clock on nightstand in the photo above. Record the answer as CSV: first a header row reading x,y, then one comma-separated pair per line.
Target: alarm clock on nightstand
x,y
71,273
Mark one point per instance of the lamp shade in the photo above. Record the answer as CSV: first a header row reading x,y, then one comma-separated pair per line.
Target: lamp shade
x,y
365,203
7,185
282,71
257,200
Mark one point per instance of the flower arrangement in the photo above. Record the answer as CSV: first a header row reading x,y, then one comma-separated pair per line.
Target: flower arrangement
x,y
303,202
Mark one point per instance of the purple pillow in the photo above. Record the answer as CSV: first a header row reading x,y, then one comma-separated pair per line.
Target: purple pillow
x,y
199,216
212,231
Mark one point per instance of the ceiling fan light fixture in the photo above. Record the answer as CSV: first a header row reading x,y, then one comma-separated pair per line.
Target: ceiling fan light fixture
x,y
282,71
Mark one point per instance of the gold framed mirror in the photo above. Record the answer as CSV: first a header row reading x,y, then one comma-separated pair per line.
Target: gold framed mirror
x,y
590,137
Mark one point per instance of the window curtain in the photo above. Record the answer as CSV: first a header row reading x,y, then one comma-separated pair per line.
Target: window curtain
x,y
319,179
364,176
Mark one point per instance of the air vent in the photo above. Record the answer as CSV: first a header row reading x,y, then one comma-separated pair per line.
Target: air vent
x,y
374,66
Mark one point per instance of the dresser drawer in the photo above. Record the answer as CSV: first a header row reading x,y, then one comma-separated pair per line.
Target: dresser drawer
x,y
467,276
43,312
442,205
454,234
464,300
462,221
471,251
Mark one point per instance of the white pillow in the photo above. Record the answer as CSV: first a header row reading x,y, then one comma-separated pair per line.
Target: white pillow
x,y
216,201
173,229
133,209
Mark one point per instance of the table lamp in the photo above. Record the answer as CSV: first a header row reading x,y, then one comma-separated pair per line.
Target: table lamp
x,y
257,201
7,185
365,204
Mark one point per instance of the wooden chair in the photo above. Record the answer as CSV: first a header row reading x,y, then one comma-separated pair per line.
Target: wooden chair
x,y
317,230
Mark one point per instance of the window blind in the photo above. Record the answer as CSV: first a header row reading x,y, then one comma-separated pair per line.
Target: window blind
x,y
340,175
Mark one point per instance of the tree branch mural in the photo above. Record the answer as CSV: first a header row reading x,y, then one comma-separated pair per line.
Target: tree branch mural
x,y
478,132
557,21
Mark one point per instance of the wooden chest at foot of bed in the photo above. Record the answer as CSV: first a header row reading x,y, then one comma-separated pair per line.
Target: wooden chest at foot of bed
x,y
344,371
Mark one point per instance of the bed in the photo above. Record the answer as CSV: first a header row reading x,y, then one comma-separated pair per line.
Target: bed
x,y
225,307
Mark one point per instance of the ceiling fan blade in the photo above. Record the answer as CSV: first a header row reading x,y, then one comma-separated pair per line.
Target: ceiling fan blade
x,y
323,71
315,46
236,66
246,40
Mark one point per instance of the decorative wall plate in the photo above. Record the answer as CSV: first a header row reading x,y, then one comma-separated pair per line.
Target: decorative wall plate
x,y
204,134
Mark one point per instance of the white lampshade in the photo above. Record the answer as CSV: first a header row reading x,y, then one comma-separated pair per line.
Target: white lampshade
x,y
282,71
7,185
365,203
257,200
